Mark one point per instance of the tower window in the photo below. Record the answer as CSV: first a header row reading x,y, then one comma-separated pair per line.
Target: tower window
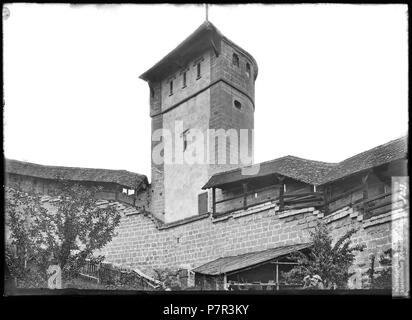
x,y
185,133
199,74
184,79
237,104
152,93
202,202
235,60
171,88
248,69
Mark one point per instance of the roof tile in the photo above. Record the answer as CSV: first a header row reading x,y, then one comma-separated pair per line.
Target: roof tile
x,y
121,177
316,172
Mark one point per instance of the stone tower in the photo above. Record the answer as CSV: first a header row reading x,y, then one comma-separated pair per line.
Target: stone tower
x,y
207,82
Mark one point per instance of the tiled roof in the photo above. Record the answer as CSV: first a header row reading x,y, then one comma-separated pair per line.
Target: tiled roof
x,y
237,263
308,171
316,172
194,45
388,152
121,177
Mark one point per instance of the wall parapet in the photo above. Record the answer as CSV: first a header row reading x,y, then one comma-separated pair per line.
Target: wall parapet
x,y
183,221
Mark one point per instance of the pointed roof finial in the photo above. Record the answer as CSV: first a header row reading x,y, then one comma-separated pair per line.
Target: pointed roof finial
x,y
207,12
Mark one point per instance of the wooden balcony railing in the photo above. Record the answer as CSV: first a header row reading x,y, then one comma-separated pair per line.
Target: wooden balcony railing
x,y
285,200
379,204
356,197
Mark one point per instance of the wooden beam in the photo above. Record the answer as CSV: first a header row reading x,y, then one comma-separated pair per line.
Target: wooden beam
x,y
365,190
277,275
216,51
281,192
326,199
285,263
250,191
214,200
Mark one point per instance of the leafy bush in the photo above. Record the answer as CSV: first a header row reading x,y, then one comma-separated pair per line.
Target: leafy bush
x,y
67,233
382,278
331,262
169,278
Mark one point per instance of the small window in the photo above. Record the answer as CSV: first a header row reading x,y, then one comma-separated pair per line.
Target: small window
x,y
171,87
184,79
198,71
185,133
152,93
124,191
235,60
237,104
248,70
202,202
130,192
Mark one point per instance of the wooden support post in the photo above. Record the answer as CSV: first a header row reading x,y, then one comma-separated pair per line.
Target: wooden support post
x,y
225,284
365,191
244,196
277,275
214,200
326,199
281,192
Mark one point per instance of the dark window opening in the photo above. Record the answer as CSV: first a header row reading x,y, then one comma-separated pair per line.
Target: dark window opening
x,y
248,69
152,93
198,71
203,203
237,104
185,133
171,87
235,60
184,79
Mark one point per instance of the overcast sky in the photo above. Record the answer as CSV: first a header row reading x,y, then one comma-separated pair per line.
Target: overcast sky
x,y
332,78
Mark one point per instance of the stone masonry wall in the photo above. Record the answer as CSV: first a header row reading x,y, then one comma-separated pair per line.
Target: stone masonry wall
x,y
143,244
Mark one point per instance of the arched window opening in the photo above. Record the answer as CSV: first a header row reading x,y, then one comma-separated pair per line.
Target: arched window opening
x,y
199,74
184,79
235,60
248,69
171,87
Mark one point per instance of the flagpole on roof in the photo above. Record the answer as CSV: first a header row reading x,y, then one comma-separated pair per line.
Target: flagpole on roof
x,y
207,11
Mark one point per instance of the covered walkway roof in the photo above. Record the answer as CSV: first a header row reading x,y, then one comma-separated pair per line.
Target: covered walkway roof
x,y
233,264
316,172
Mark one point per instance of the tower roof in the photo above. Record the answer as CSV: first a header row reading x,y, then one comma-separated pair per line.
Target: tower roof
x,y
204,37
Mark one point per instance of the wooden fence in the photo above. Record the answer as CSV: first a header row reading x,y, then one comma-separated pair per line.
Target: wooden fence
x,y
107,274
286,201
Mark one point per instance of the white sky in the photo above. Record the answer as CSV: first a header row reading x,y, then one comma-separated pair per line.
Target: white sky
x,y
332,78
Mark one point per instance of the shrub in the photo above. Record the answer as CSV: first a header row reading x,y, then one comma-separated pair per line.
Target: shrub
x,y
331,262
